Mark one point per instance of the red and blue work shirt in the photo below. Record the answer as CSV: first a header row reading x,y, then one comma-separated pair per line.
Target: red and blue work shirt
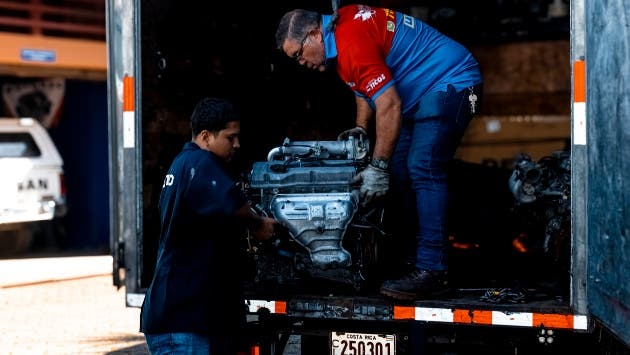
x,y
376,48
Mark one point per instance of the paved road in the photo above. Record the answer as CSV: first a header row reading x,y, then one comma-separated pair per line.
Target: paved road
x,y
68,305
65,305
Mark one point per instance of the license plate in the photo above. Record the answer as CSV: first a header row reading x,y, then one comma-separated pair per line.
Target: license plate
x,y
342,343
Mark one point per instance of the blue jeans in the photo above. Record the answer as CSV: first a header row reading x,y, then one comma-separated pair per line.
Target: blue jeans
x,y
188,343
425,147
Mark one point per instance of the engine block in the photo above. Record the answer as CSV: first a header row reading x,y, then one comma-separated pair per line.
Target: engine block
x,y
306,186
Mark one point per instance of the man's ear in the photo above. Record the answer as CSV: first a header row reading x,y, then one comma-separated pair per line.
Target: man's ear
x,y
207,134
317,32
203,139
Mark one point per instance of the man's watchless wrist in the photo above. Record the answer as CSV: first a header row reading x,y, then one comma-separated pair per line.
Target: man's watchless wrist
x,y
382,164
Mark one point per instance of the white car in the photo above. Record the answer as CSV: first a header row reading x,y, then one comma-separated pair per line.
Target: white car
x,y
31,177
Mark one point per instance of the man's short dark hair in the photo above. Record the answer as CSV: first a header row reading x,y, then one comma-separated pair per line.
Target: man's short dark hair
x,y
212,114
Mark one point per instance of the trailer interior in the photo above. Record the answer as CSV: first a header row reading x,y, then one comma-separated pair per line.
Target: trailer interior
x,y
496,243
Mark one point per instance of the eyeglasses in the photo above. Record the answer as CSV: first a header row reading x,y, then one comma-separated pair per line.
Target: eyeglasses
x,y
298,54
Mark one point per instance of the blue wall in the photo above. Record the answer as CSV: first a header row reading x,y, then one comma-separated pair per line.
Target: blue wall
x,y
81,137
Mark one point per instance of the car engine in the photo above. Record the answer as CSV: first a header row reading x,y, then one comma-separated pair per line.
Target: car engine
x,y
306,186
542,191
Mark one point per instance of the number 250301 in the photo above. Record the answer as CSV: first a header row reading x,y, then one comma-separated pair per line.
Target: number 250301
x,y
362,344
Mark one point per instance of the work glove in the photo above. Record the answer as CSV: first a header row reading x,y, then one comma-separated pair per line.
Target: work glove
x,y
374,184
357,131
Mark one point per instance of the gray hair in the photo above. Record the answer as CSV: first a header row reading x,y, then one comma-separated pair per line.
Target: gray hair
x,y
295,25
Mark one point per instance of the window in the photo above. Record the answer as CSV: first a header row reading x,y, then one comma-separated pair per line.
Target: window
x,y
18,145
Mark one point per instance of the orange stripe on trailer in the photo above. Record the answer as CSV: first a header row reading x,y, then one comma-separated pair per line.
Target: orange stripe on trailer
x,y
462,316
255,350
128,93
553,320
579,105
482,317
489,317
402,312
579,81
281,307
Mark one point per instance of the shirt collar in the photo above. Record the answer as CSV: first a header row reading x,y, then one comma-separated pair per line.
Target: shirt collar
x,y
330,46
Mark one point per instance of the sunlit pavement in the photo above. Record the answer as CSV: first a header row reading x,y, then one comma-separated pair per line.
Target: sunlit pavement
x,y
65,305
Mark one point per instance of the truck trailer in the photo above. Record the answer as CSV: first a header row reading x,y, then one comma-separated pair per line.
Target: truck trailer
x,y
538,243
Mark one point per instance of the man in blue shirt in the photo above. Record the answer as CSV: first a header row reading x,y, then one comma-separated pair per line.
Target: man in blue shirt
x,y
194,303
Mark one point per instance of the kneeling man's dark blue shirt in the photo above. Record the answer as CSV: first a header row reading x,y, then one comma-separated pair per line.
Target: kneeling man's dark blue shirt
x,y
195,287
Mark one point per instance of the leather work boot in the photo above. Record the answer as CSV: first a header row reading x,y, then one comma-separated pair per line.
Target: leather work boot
x,y
416,285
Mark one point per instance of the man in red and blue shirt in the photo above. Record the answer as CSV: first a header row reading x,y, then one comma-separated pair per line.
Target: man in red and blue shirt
x,y
423,89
